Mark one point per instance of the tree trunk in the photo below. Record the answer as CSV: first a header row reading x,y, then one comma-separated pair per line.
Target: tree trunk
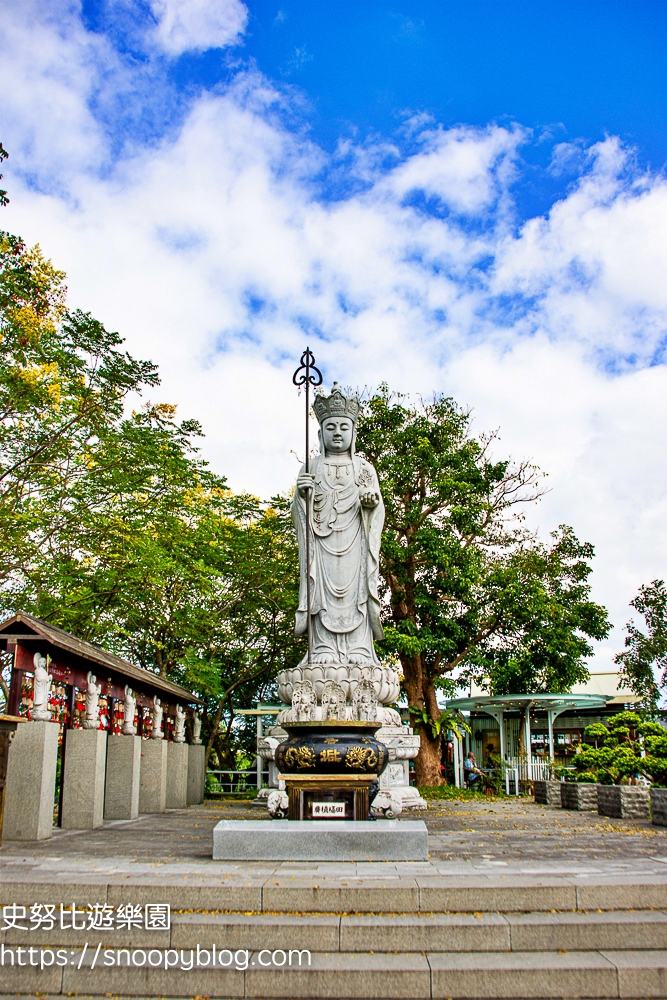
x,y
428,760
421,694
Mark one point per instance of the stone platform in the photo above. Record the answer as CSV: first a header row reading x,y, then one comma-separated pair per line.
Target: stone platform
x,y
320,840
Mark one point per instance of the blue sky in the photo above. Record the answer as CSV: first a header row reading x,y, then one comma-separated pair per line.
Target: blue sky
x,y
455,197
568,71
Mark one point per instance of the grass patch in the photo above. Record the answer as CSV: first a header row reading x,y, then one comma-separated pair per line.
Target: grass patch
x,y
454,793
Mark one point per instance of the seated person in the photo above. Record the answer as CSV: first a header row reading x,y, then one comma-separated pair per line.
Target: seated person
x,y
471,772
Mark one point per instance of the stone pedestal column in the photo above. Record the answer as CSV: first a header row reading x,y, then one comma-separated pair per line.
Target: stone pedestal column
x,y
83,788
196,773
396,794
121,793
177,775
31,782
153,776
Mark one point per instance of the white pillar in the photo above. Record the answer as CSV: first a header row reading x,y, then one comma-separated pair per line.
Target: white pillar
x,y
550,717
260,762
529,749
31,782
457,776
83,785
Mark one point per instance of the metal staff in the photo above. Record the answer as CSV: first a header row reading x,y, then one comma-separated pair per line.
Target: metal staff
x,y
307,374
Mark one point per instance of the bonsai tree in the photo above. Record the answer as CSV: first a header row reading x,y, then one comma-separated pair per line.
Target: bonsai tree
x,y
616,755
654,764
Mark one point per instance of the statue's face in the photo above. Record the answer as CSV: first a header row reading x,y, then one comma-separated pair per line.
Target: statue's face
x,y
337,435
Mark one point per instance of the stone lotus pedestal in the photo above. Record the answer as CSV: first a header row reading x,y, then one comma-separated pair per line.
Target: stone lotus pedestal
x,y
177,775
196,773
31,782
121,795
547,793
153,776
659,806
83,784
623,801
580,796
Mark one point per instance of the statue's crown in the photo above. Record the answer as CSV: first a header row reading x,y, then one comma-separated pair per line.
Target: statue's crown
x,y
336,405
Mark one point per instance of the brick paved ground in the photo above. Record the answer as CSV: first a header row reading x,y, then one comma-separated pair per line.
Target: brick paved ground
x,y
502,836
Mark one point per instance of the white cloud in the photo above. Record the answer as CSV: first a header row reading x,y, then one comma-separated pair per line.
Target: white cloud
x,y
197,25
211,252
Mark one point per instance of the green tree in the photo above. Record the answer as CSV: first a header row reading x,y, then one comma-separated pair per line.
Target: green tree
x,y
643,662
625,746
468,588
63,383
112,525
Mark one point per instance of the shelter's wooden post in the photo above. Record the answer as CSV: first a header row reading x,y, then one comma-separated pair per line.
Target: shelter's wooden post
x,y
15,685
67,724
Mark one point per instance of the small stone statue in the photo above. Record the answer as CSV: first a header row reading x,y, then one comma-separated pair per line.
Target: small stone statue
x,y
179,725
156,719
196,729
93,692
277,803
365,702
304,702
129,728
333,701
41,690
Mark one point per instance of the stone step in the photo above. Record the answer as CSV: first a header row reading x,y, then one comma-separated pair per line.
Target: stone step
x,y
297,894
383,976
437,932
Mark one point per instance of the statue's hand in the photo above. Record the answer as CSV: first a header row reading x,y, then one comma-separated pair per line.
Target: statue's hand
x,y
305,482
369,499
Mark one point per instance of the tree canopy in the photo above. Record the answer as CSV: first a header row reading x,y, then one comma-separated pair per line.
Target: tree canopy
x,y
112,525
469,591
643,662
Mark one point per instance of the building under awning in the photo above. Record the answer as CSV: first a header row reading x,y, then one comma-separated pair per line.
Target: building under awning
x,y
498,707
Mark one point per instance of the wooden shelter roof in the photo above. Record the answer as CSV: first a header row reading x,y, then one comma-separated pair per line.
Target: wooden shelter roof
x,y
25,628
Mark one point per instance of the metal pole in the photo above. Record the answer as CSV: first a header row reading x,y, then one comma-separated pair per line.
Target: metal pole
x,y
550,717
260,761
309,624
311,376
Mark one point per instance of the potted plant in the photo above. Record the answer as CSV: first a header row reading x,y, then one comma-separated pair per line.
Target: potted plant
x,y
615,759
654,766
580,792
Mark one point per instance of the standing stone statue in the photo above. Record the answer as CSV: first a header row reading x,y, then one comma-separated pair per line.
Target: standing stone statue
x,y
347,516
196,729
179,725
93,692
343,678
156,719
346,527
129,728
41,690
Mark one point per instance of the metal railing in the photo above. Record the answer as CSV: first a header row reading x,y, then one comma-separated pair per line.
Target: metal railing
x,y
537,769
233,782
